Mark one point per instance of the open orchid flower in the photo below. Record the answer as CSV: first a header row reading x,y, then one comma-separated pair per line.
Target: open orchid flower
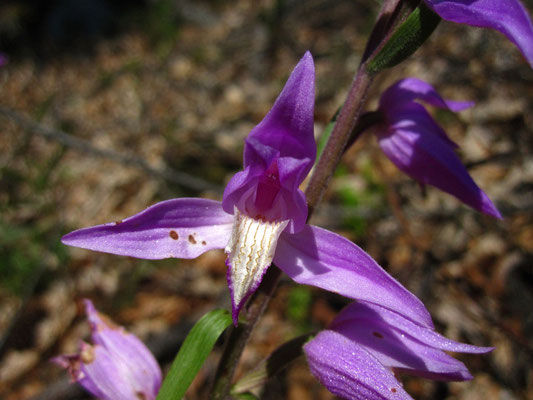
x,y
366,344
262,218
509,17
413,141
117,366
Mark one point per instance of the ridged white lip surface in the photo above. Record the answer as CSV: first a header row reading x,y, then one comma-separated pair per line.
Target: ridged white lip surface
x,y
250,251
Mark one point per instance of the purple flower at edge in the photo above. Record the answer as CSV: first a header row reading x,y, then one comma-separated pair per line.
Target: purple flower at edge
x,y
509,17
358,356
418,146
4,59
262,218
117,366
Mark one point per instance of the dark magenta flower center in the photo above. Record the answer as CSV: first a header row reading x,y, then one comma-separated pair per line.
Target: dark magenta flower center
x,y
264,202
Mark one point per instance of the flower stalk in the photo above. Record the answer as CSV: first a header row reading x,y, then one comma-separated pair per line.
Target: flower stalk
x,y
336,144
238,335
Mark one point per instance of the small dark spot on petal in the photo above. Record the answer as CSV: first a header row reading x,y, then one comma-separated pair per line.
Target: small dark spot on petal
x,y
393,390
141,396
118,222
192,240
377,334
174,235
204,242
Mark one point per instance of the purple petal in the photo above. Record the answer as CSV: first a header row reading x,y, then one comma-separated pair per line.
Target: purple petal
x,y
105,377
429,337
349,371
404,116
278,154
73,364
410,89
181,228
111,378
403,354
287,202
401,344
117,367
288,127
509,17
125,348
239,189
425,156
324,259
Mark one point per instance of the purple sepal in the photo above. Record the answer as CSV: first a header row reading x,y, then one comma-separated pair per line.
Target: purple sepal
x,y
399,99
403,345
410,89
278,154
414,142
366,343
118,366
321,258
347,370
288,126
181,228
509,17
269,189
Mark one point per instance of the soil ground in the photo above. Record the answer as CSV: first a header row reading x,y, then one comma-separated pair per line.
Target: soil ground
x,y
148,101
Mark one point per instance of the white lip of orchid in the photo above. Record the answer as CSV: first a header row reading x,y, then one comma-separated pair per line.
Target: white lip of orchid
x,y
250,250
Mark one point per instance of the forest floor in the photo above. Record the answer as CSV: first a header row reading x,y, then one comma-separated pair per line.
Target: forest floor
x,y
96,130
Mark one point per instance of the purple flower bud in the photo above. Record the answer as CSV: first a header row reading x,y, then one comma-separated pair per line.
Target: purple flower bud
x,y
414,142
509,17
358,355
117,366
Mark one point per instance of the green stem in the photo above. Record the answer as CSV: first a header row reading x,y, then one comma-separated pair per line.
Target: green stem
x,y
338,140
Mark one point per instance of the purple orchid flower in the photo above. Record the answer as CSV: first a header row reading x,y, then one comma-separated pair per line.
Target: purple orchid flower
x,y
117,366
418,146
262,218
509,17
4,59
366,344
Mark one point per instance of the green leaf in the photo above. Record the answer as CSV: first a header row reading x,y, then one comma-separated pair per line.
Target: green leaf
x,y
275,363
192,354
406,40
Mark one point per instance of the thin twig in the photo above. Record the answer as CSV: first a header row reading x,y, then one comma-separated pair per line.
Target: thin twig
x,y
84,146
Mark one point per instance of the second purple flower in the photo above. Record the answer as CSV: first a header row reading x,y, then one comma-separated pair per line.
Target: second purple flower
x,y
418,146
360,353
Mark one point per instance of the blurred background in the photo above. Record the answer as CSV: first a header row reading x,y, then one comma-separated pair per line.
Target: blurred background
x,y
107,107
